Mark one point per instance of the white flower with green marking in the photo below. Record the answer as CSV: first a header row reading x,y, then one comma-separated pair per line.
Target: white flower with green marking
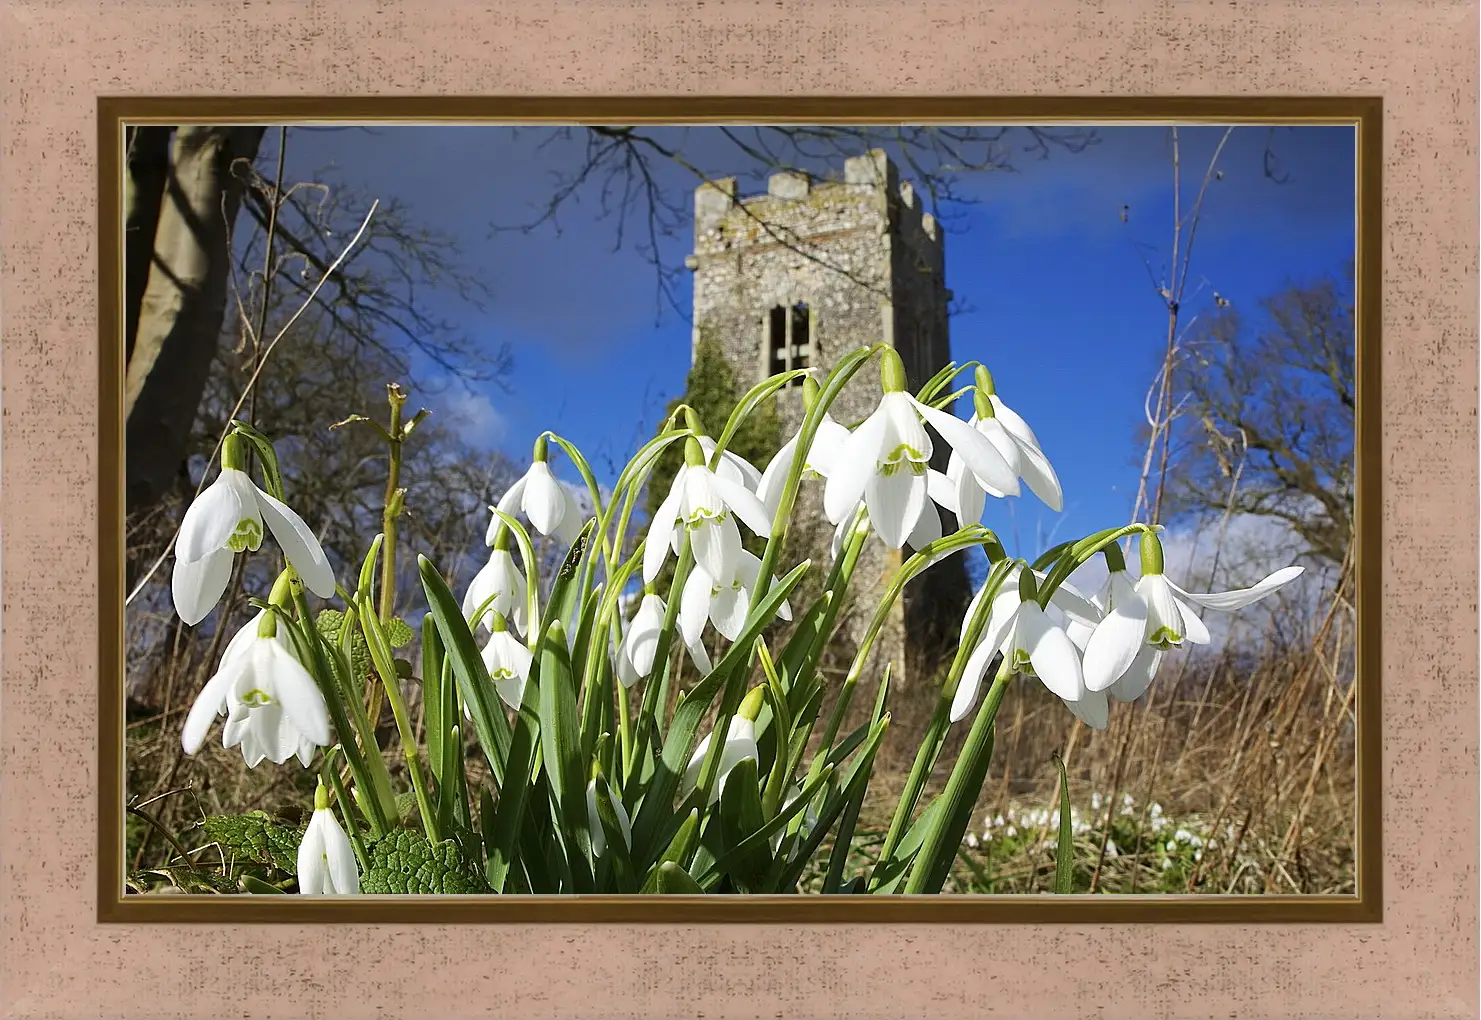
x,y
706,505
885,461
540,496
273,708
326,860
228,518
740,745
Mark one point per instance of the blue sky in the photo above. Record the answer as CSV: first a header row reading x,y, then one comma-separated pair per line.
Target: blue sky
x,y
1062,307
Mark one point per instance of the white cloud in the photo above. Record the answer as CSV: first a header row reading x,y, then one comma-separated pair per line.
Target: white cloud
x,y
474,417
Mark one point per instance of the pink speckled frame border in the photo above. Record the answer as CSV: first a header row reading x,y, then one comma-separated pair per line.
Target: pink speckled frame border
x,y
59,961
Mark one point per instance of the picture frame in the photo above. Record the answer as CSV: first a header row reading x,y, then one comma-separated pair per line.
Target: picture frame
x,y
1408,952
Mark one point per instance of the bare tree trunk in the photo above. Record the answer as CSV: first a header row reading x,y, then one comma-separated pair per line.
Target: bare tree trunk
x,y
183,302
147,163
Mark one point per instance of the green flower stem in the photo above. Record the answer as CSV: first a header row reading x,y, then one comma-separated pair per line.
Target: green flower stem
x,y
394,501
930,748
969,536
933,864
370,801
1083,551
652,687
380,654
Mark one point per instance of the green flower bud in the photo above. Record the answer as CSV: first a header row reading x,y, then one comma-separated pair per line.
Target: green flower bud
x,y
891,371
750,708
1151,547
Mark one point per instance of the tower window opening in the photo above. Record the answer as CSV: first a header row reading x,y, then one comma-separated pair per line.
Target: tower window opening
x,y
789,340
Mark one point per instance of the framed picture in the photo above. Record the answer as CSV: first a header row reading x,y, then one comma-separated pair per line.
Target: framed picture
x,y
746,537
748,570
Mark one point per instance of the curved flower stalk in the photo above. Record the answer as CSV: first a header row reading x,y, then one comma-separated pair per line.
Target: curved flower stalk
x,y
228,518
501,580
1146,619
273,708
706,503
1019,447
1033,642
326,861
540,496
885,460
740,744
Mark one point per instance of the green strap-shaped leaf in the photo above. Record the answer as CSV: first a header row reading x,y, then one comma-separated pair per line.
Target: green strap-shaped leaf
x,y
1064,852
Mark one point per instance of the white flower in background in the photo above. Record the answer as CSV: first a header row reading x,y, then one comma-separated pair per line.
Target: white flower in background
x,y
326,861
1031,640
885,460
723,603
740,744
594,820
273,708
228,518
821,455
500,579
1016,442
508,662
541,497
1122,657
706,504
639,645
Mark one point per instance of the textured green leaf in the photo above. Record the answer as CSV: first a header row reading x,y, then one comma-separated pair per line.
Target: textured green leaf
x,y
398,633
255,837
405,863
329,622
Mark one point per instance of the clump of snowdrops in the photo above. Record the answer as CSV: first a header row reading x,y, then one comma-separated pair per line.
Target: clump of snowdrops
x,y
596,785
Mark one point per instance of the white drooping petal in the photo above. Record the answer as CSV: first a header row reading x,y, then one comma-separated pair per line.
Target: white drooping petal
x,y
1005,444
1138,677
1117,640
643,632
326,861
299,544
215,514
774,478
906,439
1070,601
699,657
971,499
661,528
732,465
1035,469
717,546
694,605
825,446
501,580
745,504
978,454
509,503
545,501
857,462
1053,655
1013,422
198,585
300,697
971,682
896,502
508,663
748,572
927,528
728,607
1194,629
1229,601
210,703
1164,619
594,820
740,744
1093,708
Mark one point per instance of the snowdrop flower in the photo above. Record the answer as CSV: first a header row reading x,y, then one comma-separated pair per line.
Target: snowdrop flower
x,y
706,503
733,466
1154,615
821,455
634,655
508,662
1032,643
273,708
1017,444
228,518
542,498
326,861
594,819
501,580
723,603
740,744
885,460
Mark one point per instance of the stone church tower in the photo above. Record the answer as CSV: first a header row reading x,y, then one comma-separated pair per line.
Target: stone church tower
x,y
800,276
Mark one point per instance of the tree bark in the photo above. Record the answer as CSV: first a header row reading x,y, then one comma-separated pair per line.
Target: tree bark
x,y
183,302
